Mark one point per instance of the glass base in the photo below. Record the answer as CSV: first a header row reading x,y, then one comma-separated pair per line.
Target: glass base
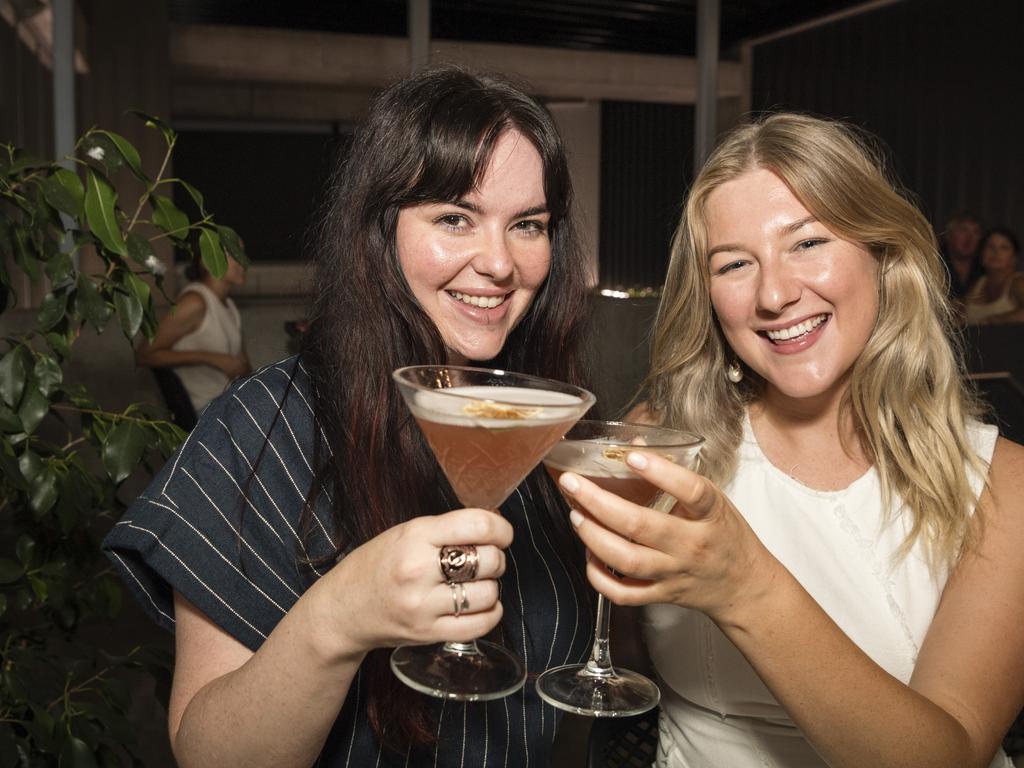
x,y
477,671
619,694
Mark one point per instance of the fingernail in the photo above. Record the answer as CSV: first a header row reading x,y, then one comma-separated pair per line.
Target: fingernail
x,y
575,518
636,460
570,483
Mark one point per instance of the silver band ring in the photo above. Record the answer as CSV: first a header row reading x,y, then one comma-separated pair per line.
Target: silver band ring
x,y
459,563
460,603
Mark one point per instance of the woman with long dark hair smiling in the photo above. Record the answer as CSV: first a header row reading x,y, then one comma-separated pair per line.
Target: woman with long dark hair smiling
x,y
295,537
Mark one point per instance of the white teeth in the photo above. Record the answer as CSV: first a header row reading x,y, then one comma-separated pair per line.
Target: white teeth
x,y
797,330
484,302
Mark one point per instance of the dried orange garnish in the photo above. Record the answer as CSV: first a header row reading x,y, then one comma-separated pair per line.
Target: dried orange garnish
x,y
482,410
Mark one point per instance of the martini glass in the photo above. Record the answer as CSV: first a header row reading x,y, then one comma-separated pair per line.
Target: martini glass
x,y
597,451
488,429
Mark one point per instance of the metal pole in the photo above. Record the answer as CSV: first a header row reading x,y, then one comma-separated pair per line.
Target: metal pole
x,y
64,94
708,14
419,34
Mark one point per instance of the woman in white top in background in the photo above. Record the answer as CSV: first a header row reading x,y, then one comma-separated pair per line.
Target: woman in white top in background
x,y
998,295
844,586
201,337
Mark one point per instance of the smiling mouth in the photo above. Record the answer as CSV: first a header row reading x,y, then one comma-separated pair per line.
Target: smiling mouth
x,y
483,302
795,331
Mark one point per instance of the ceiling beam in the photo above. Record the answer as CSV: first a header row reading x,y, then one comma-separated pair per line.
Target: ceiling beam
x,y
254,54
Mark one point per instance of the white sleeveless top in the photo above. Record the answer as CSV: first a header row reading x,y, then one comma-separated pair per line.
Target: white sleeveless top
x,y
975,306
219,331
715,711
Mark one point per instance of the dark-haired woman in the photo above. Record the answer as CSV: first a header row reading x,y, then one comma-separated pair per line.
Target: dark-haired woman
x,y
998,295
296,535
201,338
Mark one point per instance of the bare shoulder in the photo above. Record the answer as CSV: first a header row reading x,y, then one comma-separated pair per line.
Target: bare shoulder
x,y
189,304
1006,476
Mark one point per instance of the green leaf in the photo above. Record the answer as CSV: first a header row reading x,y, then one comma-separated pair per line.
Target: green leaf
x,y
139,248
60,197
33,409
138,287
24,549
129,154
52,311
89,304
73,184
13,370
129,312
195,194
44,492
122,450
25,253
214,260
48,374
10,471
233,244
10,570
156,122
169,217
30,465
58,342
9,421
59,267
100,202
75,753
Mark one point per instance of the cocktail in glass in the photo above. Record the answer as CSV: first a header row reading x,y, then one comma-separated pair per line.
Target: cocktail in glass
x,y
597,450
488,430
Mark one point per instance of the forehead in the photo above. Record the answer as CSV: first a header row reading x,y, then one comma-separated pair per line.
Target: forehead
x,y
752,200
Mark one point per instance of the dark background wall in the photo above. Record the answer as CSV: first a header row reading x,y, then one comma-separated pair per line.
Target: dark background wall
x,y
646,166
940,81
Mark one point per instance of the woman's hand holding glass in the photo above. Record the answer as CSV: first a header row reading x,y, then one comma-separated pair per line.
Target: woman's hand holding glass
x,y
391,590
702,555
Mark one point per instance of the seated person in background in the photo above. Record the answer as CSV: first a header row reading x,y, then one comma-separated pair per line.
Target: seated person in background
x,y
842,585
201,337
958,245
998,295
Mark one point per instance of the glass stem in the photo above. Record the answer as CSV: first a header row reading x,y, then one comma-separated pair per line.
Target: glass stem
x,y
600,663
463,649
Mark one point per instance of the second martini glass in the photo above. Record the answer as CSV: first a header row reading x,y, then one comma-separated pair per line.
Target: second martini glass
x,y
488,430
597,451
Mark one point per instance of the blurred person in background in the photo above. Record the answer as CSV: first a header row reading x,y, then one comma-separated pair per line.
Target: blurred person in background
x,y
201,337
997,296
958,245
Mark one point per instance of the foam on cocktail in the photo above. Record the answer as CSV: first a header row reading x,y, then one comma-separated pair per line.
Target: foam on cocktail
x,y
492,407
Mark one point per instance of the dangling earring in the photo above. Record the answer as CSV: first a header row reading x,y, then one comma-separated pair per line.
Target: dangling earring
x,y
734,373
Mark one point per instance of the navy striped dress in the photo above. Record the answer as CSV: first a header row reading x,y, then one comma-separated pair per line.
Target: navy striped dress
x,y
188,532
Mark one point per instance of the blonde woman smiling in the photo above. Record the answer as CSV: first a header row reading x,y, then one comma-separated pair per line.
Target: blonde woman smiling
x,y
843,585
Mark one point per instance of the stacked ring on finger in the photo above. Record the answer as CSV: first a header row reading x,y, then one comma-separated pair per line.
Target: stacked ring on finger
x,y
459,563
460,603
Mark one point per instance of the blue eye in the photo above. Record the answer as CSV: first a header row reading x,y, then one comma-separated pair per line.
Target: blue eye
x,y
730,267
803,245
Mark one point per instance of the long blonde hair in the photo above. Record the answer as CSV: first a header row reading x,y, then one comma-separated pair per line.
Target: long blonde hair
x,y
906,394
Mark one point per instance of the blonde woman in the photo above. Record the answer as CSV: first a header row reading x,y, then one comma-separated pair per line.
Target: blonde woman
x,y
844,584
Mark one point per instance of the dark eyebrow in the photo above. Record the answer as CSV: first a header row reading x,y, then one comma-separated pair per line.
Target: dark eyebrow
x,y
535,210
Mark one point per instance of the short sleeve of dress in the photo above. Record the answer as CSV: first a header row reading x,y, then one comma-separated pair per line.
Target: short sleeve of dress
x,y
219,523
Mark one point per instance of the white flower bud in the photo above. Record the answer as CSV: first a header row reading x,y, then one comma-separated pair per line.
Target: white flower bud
x,y
154,265
96,153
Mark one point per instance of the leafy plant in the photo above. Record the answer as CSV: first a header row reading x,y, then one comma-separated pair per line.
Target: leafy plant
x,y
63,457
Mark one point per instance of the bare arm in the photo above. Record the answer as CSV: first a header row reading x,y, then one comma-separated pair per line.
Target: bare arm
x,y
969,679
276,707
182,320
1015,315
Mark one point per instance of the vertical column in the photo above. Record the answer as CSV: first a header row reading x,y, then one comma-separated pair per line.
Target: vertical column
x,y
708,13
64,91
419,34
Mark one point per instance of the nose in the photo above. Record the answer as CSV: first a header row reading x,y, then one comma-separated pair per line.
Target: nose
x,y
777,288
494,258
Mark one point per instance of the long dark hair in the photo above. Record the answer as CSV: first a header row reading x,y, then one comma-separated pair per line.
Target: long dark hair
x,y
427,139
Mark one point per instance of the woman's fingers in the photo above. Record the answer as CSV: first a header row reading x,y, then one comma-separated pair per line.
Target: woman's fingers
x,y
630,558
695,496
464,526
